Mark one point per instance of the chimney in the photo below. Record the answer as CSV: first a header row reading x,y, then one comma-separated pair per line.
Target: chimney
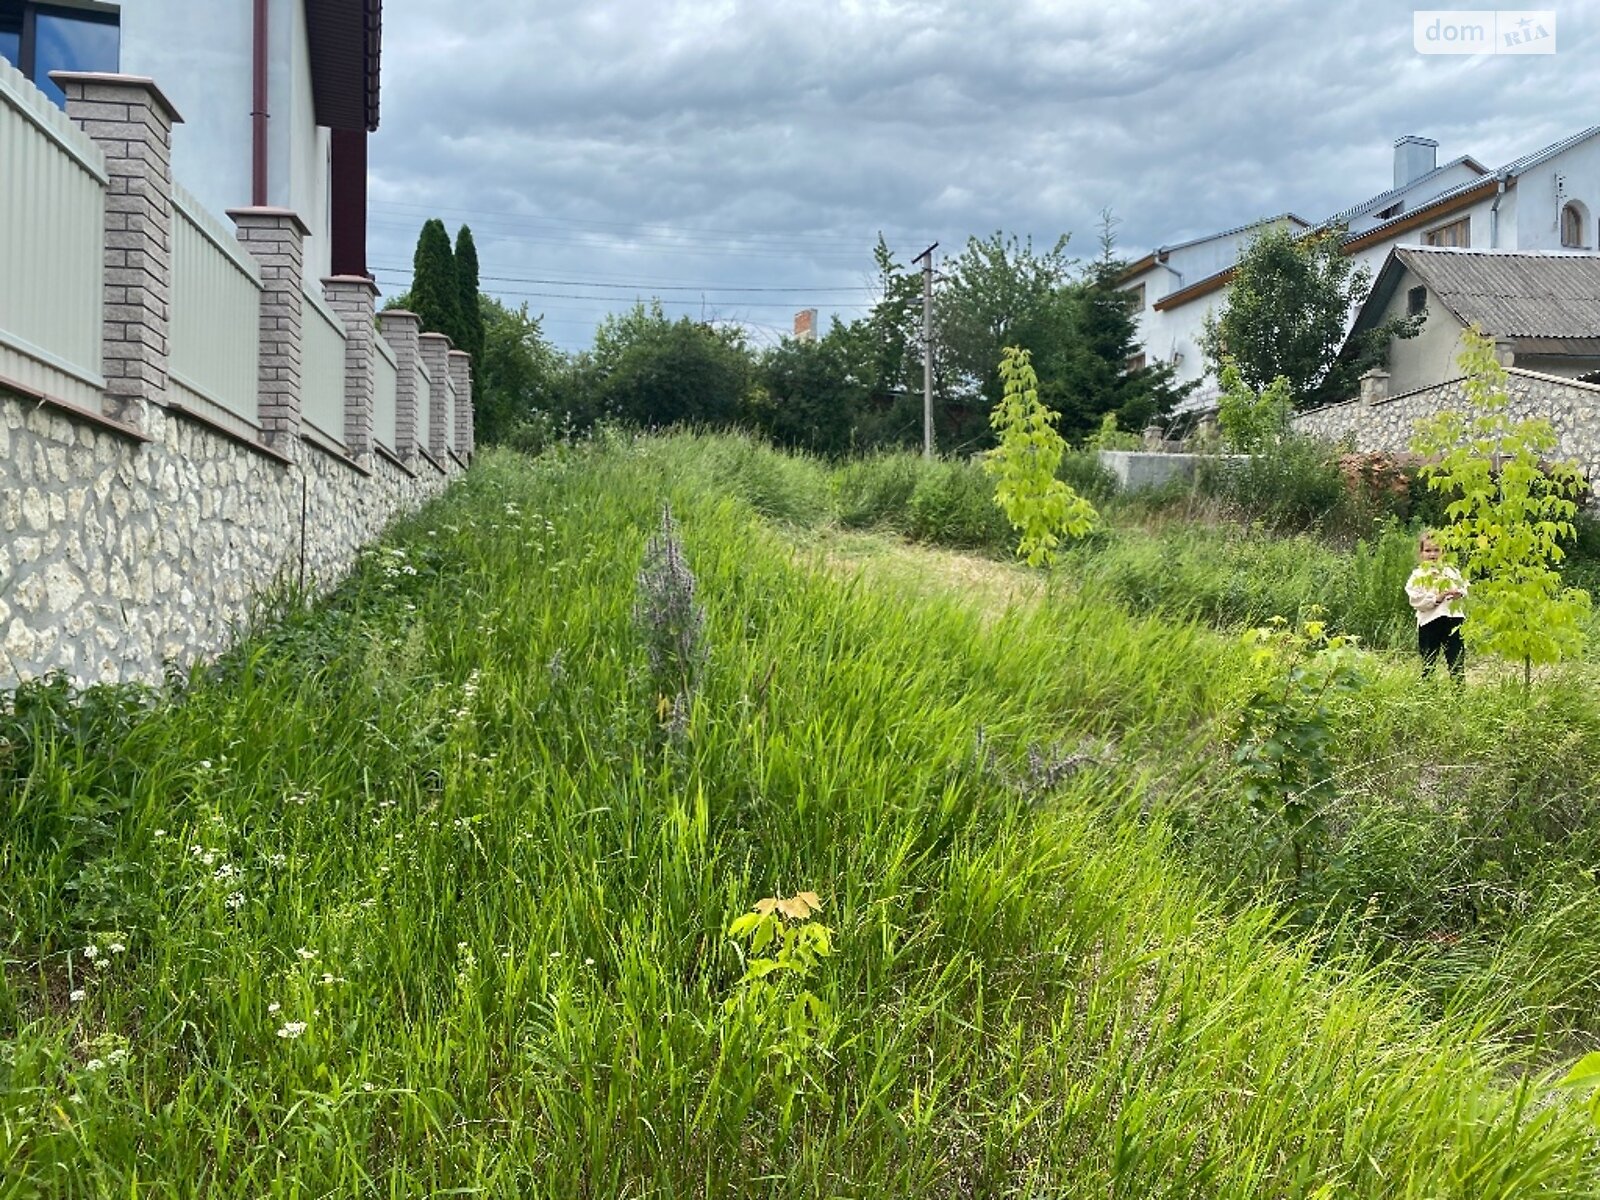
x,y
805,325
1414,157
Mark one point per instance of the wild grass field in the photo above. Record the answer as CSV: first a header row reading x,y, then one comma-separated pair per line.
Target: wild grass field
x,y
427,890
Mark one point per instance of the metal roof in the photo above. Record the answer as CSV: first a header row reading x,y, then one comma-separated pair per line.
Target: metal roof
x,y
346,37
1518,165
1510,293
1211,237
1384,199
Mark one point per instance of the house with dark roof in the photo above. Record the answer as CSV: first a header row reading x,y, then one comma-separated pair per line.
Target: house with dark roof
x,y
1548,200
1541,307
277,97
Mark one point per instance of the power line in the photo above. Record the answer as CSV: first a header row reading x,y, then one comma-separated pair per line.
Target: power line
x,y
672,230
661,287
593,237
786,305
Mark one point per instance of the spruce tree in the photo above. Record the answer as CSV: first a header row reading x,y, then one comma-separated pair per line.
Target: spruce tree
x,y
435,294
471,339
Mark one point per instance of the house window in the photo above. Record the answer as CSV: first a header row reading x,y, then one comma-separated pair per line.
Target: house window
x,y
1457,233
1416,301
1134,362
40,38
1572,223
1137,292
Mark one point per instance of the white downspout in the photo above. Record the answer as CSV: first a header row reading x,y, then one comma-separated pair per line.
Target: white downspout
x,y
1494,210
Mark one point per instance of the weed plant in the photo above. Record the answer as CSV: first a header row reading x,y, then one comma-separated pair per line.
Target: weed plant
x,y
405,898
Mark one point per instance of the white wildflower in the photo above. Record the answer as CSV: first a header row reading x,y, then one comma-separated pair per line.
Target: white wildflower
x,y
95,1064
91,952
291,1029
306,955
116,947
273,1007
235,901
76,995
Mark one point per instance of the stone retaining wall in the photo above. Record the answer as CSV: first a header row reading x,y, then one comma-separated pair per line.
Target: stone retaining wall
x,y
120,555
1387,424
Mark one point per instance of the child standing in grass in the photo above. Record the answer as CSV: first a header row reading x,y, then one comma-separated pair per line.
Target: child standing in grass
x,y
1436,590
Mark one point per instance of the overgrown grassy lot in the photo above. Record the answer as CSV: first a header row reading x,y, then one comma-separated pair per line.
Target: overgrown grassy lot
x,y
415,893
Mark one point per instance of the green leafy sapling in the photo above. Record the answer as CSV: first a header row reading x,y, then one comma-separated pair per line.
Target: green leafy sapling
x,y
1040,507
775,1004
1284,744
1110,437
1251,421
1508,517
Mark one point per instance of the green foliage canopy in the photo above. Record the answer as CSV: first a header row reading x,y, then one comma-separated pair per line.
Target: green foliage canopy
x,y
1252,421
517,374
1286,314
435,290
652,371
469,334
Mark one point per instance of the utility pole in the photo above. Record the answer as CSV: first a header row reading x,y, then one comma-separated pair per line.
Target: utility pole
x,y
926,259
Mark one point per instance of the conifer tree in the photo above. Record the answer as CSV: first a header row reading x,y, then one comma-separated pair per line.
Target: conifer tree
x,y
471,339
435,293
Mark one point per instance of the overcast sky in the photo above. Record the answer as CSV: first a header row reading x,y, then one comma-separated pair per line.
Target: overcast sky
x,y
625,149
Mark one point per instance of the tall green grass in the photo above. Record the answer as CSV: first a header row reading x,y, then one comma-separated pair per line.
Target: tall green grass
x,y
414,899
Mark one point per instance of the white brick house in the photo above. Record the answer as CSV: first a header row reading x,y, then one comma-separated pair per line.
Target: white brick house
x,y
1546,200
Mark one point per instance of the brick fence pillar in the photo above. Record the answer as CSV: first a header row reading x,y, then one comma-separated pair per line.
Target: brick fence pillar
x,y
275,238
461,374
352,297
436,357
402,330
131,121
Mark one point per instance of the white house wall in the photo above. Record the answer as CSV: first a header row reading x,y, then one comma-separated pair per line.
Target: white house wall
x,y
200,53
1538,224
1430,356
299,180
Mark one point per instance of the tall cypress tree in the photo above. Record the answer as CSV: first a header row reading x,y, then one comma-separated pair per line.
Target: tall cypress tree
x,y
435,292
471,339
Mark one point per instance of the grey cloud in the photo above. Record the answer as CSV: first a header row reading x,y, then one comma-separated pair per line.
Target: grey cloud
x,y
798,131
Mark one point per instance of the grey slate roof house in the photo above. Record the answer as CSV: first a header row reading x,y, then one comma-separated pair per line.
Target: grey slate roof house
x,y
1542,307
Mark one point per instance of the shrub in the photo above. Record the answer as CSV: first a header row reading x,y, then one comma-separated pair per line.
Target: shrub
x,y
952,505
1252,422
786,487
876,491
1295,485
1372,603
1082,472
